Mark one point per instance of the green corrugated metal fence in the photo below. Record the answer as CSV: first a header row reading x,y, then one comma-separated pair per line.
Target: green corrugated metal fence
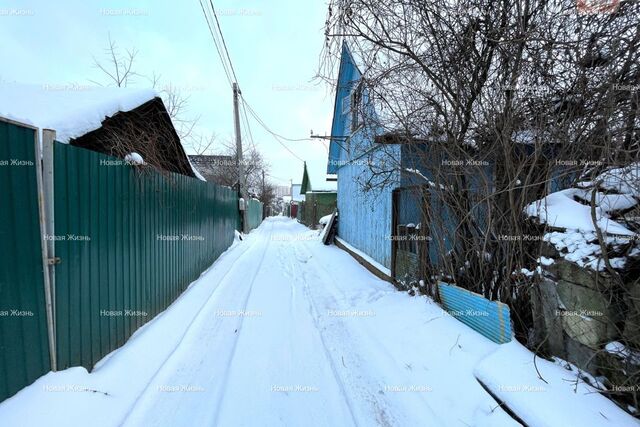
x,y
254,213
315,206
130,241
24,353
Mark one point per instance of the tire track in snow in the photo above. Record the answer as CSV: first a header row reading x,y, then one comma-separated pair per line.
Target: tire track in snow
x,y
381,418
225,380
381,405
221,285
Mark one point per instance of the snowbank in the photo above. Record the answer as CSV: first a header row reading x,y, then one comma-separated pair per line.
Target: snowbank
x,y
561,210
561,399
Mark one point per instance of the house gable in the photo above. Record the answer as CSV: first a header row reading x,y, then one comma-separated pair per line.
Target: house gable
x,y
348,76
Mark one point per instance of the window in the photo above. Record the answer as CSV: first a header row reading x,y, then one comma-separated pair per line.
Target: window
x,y
356,107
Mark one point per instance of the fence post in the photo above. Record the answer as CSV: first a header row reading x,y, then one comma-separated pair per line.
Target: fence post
x,y
44,161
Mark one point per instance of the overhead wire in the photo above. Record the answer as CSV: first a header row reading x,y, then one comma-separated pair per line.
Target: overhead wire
x,y
220,45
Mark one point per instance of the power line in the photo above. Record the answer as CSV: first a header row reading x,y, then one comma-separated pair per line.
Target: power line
x,y
275,177
245,105
276,136
261,122
215,42
224,44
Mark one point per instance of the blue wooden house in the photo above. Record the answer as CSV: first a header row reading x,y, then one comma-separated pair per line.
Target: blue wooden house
x,y
383,186
364,205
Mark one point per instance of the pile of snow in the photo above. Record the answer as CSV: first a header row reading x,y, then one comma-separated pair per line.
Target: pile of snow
x,y
614,192
71,111
582,248
325,219
562,210
622,180
623,352
542,393
134,159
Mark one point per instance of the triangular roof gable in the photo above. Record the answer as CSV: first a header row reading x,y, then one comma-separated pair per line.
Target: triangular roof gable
x,y
306,183
347,74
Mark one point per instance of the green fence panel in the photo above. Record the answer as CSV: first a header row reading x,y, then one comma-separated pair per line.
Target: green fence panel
x,y
24,352
254,213
130,241
315,206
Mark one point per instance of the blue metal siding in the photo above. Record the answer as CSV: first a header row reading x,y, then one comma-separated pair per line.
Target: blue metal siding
x,y
365,217
365,213
490,318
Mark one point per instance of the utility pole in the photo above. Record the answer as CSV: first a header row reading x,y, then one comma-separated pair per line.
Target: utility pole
x,y
239,161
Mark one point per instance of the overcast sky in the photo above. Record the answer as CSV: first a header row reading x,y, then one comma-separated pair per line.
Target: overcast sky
x,y
274,46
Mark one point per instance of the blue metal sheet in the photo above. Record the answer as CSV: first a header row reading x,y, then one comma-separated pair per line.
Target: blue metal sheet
x,y
490,318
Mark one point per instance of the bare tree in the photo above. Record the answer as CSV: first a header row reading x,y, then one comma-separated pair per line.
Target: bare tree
x,y
117,66
119,69
489,105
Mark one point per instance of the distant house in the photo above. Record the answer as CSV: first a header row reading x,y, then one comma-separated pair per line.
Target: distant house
x,y
319,200
296,198
212,166
113,121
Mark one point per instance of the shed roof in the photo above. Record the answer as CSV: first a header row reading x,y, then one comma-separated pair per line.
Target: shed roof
x,y
71,110
74,111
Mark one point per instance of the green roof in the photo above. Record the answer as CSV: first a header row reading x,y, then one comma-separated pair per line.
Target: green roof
x,y
306,183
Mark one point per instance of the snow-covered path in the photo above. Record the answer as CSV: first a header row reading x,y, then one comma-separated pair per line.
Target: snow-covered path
x,y
280,343
281,331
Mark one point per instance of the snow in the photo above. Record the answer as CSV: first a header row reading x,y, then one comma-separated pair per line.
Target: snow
x,y
289,332
563,400
582,248
134,159
560,210
624,180
195,171
366,257
545,261
325,219
71,112
608,202
623,352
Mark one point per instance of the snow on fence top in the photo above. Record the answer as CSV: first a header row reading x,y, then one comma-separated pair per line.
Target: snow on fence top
x,y
71,111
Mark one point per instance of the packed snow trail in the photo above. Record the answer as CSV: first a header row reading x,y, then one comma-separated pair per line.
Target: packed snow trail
x,y
284,331
273,347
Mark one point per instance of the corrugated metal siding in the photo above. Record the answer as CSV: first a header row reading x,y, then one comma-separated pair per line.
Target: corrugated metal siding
x,y
365,216
254,213
149,236
24,353
317,205
490,318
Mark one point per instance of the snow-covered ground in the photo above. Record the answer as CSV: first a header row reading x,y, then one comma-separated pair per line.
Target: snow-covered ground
x,y
284,331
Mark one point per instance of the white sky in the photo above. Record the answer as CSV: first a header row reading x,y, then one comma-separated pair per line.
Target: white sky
x,y
274,46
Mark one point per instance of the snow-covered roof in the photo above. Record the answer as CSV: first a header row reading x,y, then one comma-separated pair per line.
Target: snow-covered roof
x,y
71,111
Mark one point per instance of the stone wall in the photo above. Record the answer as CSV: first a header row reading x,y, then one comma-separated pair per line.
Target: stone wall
x,y
584,317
